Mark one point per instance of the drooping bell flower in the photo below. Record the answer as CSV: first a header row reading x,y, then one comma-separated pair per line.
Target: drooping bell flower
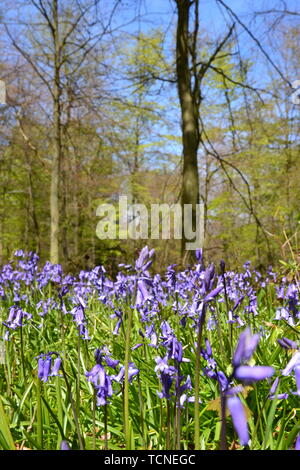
x,y
142,293
144,262
132,372
119,315
250,374
166,381
64,445
273,390
212,295
16,318
56,367
209,275
239,419
96,375
162,365
44,366
295,360
245,348
297,377
100,379
297,445
151,333
287,343
104,391
41,362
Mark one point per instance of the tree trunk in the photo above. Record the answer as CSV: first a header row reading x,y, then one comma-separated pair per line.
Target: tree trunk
x,y
189,117
55,174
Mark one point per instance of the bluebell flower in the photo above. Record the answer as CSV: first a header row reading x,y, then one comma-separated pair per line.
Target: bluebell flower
x,y
144,262
297,444
64,445
295,360
45,363
119,315
297,377
166,381
245,348
250,374
287,343
273,391
239,419
100,379
132,372
162,365
151,333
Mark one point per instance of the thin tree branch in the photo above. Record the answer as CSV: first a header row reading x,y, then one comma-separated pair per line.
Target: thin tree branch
x,y
255,40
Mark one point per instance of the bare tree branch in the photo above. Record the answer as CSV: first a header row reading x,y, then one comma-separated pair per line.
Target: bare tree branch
x,y
257,42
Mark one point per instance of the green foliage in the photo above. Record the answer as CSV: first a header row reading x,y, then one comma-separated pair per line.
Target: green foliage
x,y
39,415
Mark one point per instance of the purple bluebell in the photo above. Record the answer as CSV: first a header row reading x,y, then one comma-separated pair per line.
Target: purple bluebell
x,y
151,333
182,391
64,445
287,343
248,374
273,391
171,343
246,346
106,355
297,377
239,419
104,391
41,362
199,255
132,372
223,381
166,382
212,295
209,275
295,360
44,366
143,293
117,314
162,365
96,375
208,356
16,318
144,262
101,380
56,367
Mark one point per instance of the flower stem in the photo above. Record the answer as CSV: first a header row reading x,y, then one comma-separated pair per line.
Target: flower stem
x,y
126,381
105,428
39,414
197,380
223,444
73,406
60,436
22,352
94,420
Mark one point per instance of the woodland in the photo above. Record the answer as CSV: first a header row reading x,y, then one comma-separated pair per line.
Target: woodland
x,y
166,102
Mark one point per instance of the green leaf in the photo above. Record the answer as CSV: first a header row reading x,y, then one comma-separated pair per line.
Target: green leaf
x,y
6,437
